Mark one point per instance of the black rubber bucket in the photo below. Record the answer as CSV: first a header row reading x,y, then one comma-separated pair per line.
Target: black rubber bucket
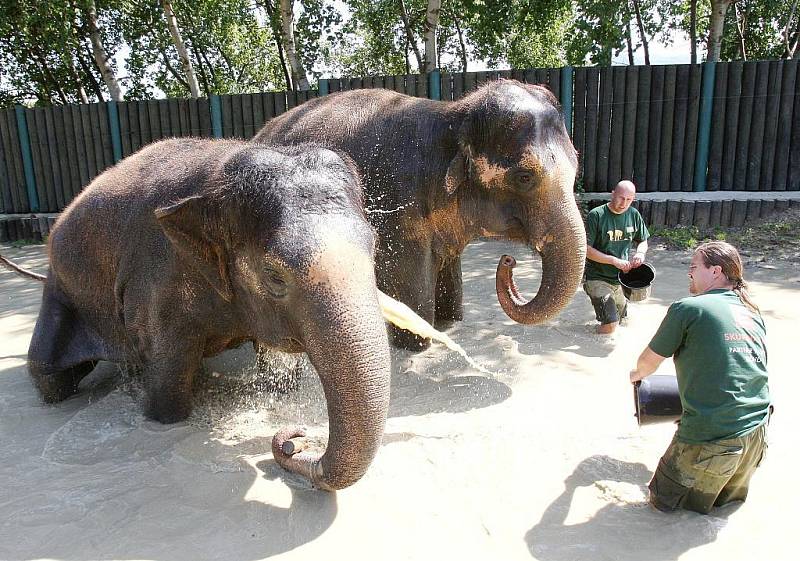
x,y
637,282
657,400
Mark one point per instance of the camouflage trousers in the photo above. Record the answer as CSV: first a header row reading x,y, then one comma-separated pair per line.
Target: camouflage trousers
x,y
699,477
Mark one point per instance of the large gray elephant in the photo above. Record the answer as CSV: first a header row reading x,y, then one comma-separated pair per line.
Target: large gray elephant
x,y
190,247
497,163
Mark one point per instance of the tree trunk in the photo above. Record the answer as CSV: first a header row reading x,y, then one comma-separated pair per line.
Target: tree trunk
x,y
791,43
410,35
741,24
461,43
87,70
642,34
299,78
100,55
186,62
267,6
718,10
629,37
431,24
693,30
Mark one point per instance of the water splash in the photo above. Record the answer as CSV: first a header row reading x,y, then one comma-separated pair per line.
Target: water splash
x,y
405,318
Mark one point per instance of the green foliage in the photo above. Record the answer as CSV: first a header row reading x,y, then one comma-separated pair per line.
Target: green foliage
x,y
678,237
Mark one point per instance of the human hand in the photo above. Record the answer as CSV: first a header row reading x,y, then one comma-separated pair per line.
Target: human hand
x,y
637,259
622,265
634,376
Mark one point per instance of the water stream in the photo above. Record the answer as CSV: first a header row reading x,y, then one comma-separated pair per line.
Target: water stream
x,y
405,318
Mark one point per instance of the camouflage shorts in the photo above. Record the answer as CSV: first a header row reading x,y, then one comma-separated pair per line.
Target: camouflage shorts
x,y
699,477
608,300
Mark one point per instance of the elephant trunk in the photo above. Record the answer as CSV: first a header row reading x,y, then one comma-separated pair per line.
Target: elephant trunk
x,y
351,356
563,251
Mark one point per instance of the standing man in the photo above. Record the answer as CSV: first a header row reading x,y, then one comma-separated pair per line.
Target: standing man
x,y
716,339
611,230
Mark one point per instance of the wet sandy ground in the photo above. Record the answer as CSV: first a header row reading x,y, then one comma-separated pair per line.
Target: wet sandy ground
x,y
542,460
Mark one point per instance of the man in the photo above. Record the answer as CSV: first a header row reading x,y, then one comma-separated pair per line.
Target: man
x,y
611,230
716,339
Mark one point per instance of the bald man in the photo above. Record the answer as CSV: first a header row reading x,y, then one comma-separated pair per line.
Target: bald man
x,y
612,230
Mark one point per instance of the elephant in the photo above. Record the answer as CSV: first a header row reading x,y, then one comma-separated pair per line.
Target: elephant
x,y
192,246
498,163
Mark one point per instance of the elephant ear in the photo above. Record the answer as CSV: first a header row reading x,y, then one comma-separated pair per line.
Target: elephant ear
x,y
184,225
458,170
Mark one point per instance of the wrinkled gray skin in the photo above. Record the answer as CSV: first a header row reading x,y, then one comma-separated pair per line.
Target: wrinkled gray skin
x,y
191,247
436,175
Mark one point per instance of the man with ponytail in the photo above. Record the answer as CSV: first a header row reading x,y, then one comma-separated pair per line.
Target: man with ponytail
x,y
717,341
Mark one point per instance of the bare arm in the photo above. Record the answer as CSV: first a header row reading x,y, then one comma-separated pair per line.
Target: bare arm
x,y
599,257
648,362
638,257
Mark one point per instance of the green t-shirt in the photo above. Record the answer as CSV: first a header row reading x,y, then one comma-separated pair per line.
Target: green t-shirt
x,y
613,234
720,358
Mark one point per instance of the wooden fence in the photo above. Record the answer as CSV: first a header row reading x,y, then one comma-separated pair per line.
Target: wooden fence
x,y
638,122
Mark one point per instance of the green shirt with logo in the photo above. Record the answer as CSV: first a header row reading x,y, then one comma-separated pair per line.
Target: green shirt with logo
x,y
612,234
720,357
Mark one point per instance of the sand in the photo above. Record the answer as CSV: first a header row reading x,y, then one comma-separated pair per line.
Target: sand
x,y
542,459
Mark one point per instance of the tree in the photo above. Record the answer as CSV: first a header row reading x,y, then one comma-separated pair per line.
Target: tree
x,y
101,56
719,9
175,33
299,79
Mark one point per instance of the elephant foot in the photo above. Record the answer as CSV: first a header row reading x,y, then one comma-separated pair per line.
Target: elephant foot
x,y
403,339
57,385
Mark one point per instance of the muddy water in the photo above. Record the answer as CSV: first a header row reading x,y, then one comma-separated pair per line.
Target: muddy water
x,y
405,318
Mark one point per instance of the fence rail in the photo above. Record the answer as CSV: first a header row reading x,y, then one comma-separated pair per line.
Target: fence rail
x,y
639,122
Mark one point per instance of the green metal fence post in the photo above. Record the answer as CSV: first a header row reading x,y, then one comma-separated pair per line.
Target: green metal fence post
x,y
27,158
566,97
113,127
704,126
323,86
216,115
435,84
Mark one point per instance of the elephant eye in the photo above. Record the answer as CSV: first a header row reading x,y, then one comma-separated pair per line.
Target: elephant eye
x,y
525,180
275,283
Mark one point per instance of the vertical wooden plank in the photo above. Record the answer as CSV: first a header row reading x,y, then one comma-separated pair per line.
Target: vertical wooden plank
x,y
644,209
679,127
236,110
258,112
193,108
734,95
686,213
172,115
106,143
692,119
153,123
793,178
74,184
292,100
618,107
715,154
756,140
604,129
46,148
447,86
80,148
97,136
784,138
767,208
715,214
10,150
579,124
753,211
36,158
248,123
726,216
590,146
458,86
268,103
654,127
744,130
64,187
124,127
530,76
204,117
184,124
470,82
642,139
55,158
673,213
227,116
702,214
554,81
422,86
739,213
280,103
629,126
667,124
84,140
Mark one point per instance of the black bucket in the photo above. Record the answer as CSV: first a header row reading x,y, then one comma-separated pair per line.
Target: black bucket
x,y
657,400
637,282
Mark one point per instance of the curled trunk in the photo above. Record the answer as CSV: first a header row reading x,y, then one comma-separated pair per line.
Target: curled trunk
x,y
355,374
563,251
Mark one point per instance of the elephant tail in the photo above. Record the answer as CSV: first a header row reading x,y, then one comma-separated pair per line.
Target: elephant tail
x,y
20,271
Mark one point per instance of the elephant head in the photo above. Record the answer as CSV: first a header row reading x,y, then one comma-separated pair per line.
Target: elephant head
x,y
514,171
287,245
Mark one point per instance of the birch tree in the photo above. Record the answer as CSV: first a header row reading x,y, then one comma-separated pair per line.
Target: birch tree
x,y
299,78
180,46
429,34
719,9
101,57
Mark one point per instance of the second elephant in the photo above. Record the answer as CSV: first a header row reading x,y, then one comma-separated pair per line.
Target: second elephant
x,y
497,163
